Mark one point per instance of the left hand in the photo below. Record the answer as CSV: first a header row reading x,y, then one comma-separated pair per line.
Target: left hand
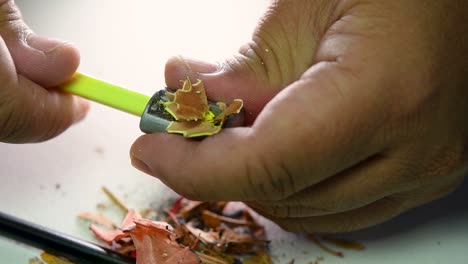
x,y
29,66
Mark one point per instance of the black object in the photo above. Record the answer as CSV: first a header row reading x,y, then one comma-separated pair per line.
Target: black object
x,y
59,244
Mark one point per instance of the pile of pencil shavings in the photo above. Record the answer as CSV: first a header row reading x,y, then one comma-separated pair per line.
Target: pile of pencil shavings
x,y
194,232
194,117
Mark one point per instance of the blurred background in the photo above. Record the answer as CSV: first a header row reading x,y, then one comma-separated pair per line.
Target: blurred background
x,y
128,43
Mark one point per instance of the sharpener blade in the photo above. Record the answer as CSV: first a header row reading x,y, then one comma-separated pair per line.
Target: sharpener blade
x,y
154,117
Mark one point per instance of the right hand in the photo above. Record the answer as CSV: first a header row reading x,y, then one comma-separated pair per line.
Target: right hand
x,y
29,64
355,112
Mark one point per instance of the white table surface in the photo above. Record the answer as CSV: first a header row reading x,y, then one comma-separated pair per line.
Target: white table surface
x,y
128,42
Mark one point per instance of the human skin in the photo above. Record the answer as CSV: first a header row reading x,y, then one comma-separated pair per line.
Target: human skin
x,y
355,111
29,64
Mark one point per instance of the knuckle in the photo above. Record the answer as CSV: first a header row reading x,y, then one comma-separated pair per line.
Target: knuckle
x,y
54,126
257,59
274,182
11,24
8,12
450,161
45,120
278,211
269,211
440,163
189,189
444,164
287,211
11,121
256,188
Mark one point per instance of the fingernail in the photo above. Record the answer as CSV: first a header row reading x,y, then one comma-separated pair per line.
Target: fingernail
x,y
201,66
141,166
44,44
196,66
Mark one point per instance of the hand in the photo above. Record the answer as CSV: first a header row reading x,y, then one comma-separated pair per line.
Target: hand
x,y
355,111
29,64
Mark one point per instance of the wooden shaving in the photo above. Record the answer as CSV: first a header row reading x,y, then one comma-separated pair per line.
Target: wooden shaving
x,y
192,232
342,243
115,199
198,231
191,111
323,247
49,259
97,219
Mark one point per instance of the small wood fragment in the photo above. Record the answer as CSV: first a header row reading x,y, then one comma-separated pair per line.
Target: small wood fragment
x,y
214,220
317,241
51,259
119,202
207,259
342,243
97,219
35,260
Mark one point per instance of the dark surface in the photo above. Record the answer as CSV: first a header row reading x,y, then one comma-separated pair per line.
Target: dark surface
x,y
75,250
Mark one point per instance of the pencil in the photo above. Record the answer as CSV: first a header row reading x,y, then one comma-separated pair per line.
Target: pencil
x,y
106,93
59,244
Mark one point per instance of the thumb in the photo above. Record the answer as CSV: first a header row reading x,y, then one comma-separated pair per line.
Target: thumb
x,y
28,63
45,61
